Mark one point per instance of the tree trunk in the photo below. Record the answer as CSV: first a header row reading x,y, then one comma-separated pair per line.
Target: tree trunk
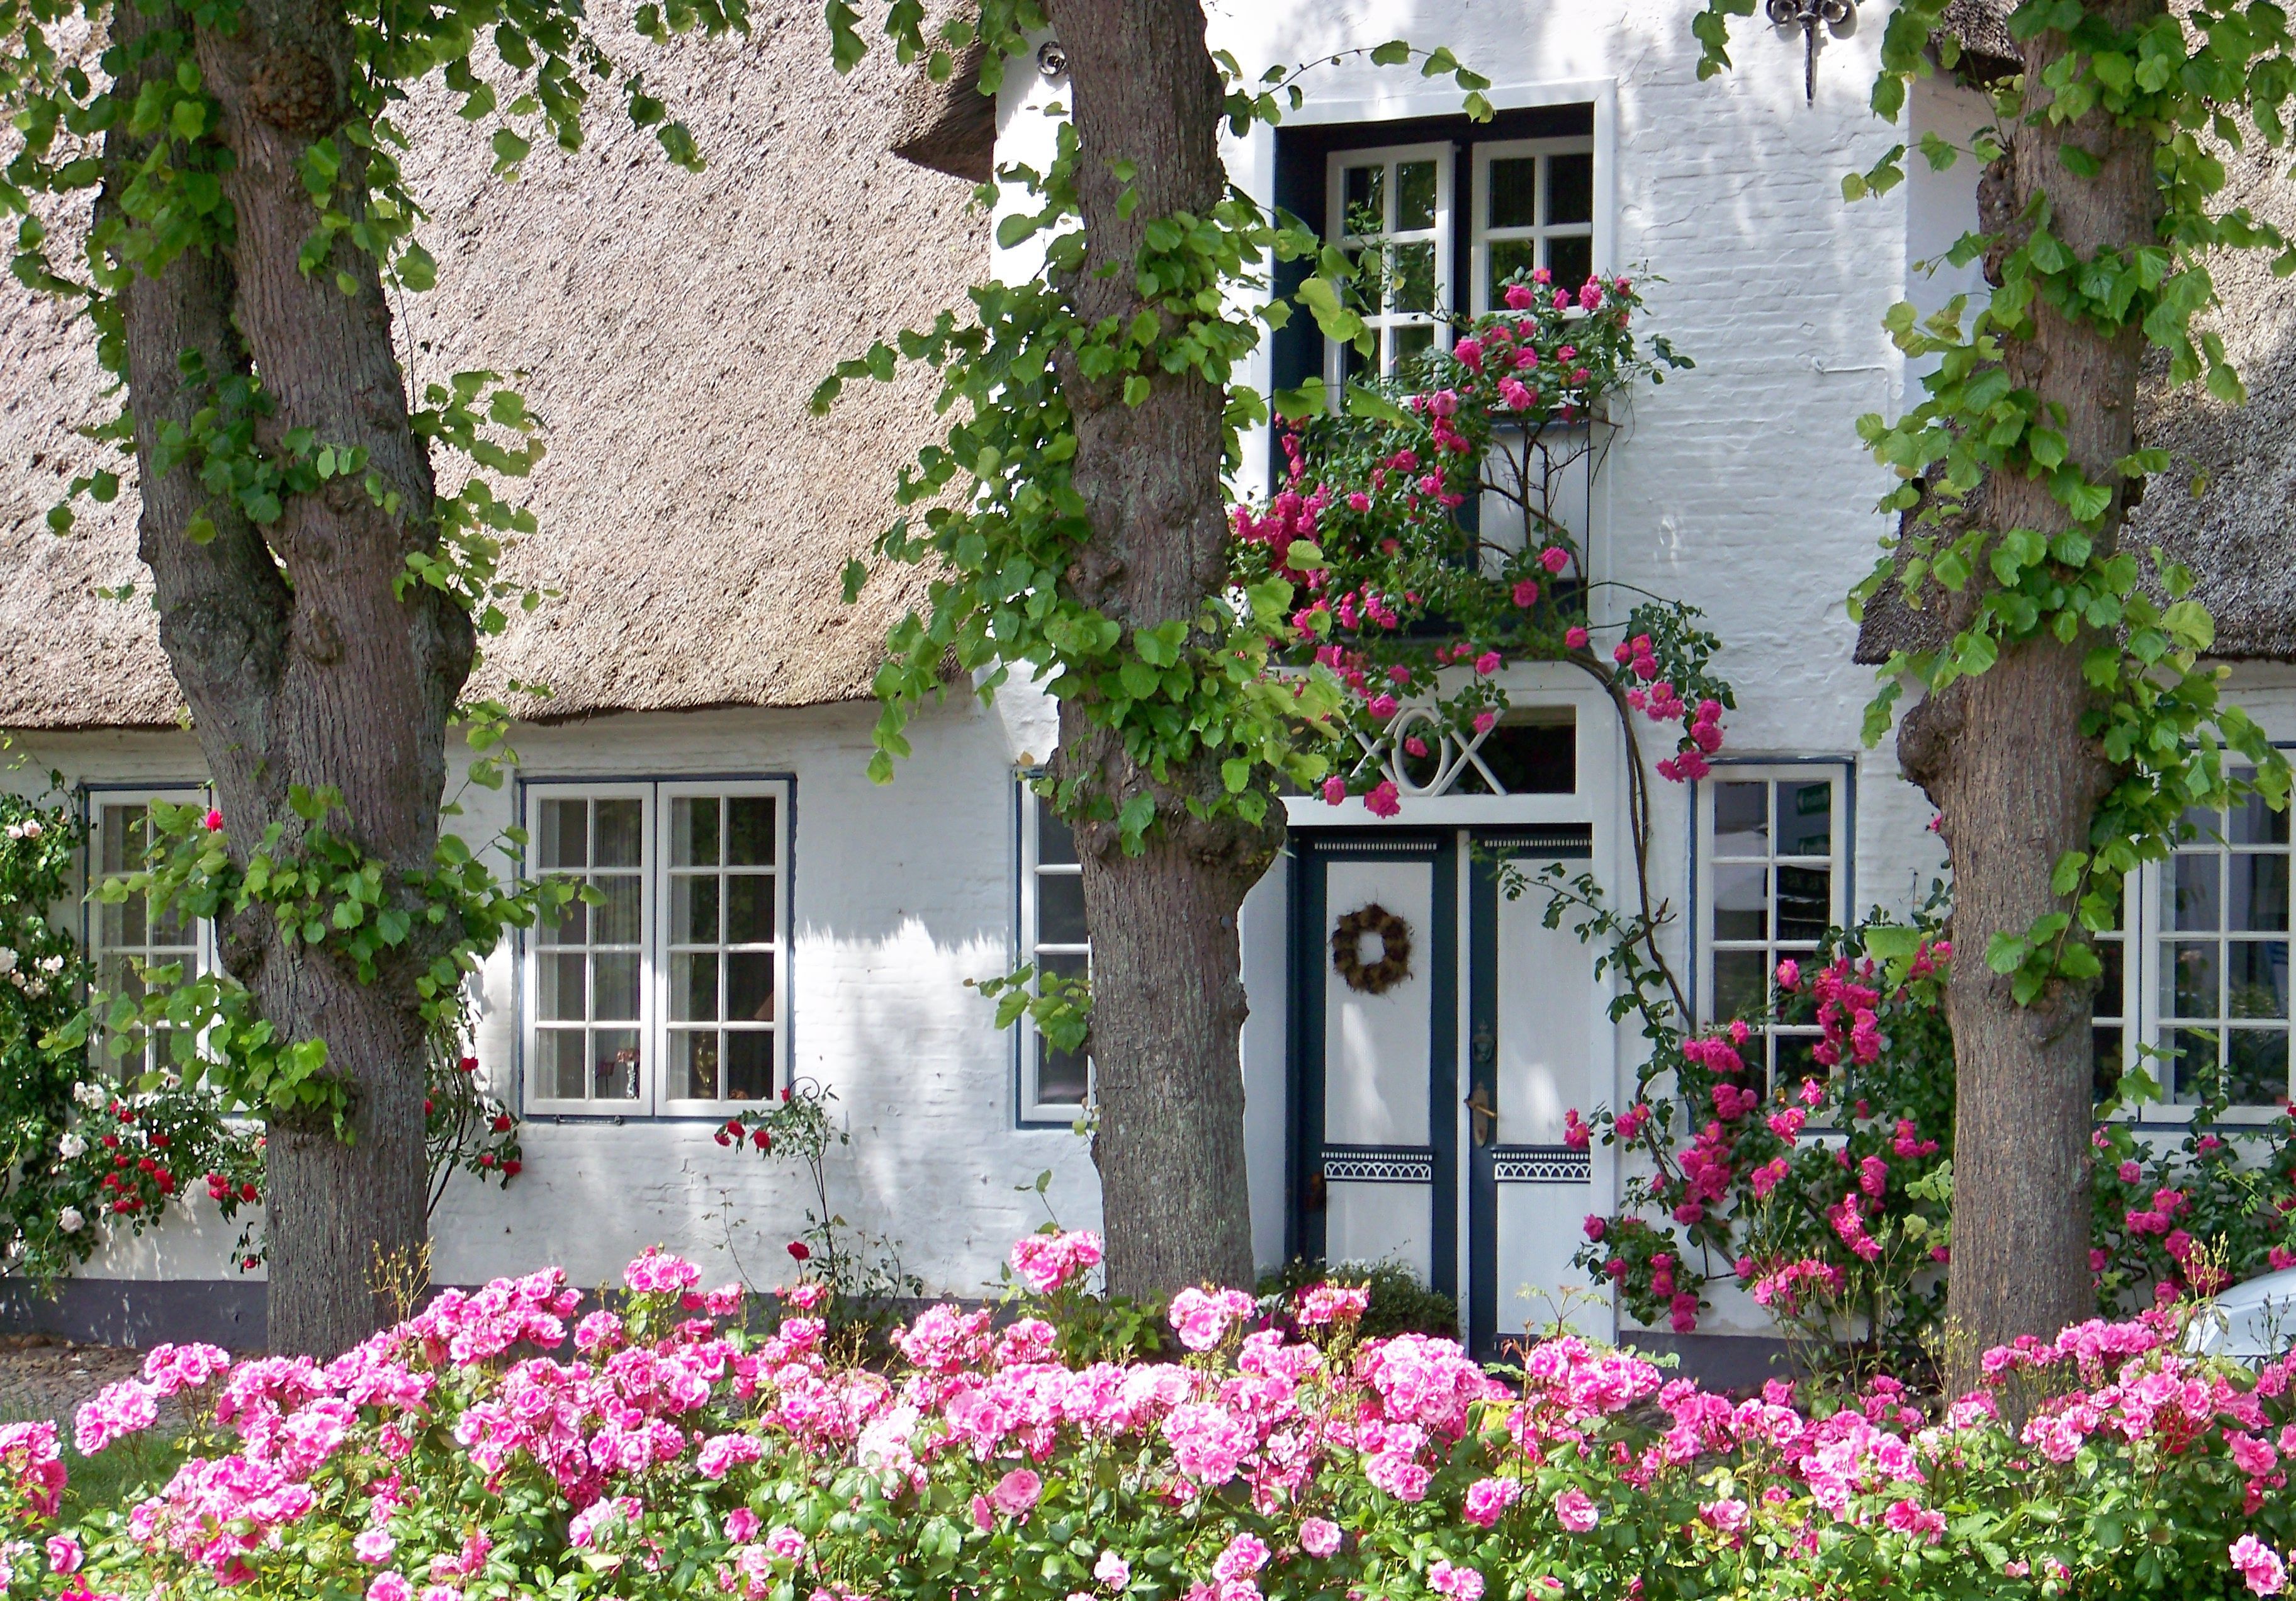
x,y
1168,994
302,663
2003,757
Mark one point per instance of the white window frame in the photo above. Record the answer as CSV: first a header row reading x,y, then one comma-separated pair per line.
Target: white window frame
x,y
531,957
1033,1107
1838,776
96,801
1335,231
778,790
654,966
2148,926
1482,235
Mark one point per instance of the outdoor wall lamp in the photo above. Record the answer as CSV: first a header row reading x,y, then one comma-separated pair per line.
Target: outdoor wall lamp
x,y
1810,15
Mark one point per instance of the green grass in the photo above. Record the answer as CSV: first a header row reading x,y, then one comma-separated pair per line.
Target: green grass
x,y
118,1476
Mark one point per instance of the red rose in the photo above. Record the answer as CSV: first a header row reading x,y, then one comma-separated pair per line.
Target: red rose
x,y
167,1183
486,1159
469,1064
426,1106
512,1166
761,1139
110,1142
800,1250
159,1141
502,1124
248,1192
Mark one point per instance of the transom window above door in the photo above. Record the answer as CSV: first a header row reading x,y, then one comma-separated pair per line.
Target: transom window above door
x,y
665,990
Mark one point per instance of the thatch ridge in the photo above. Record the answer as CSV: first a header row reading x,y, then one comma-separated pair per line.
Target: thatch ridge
x,y
669,329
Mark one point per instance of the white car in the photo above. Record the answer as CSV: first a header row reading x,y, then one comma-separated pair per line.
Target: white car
x,y
2250,1322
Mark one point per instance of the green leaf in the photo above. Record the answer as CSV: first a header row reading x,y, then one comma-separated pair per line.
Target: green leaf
x,y
1395,53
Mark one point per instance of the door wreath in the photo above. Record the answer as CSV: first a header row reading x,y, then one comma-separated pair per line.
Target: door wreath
x,y
1394,964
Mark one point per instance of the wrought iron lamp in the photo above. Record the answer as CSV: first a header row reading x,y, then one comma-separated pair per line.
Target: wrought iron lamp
x,y
1810,16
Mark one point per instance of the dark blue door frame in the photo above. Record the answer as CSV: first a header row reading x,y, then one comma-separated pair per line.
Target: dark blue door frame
x,y
1309,1156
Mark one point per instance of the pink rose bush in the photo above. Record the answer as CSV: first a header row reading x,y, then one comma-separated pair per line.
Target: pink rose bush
x,y
1818,1187
477,1450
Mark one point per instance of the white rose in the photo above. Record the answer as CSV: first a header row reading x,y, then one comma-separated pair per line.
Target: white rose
x,y
69,1221
7,959
51,964
37,989
32,829
15,831
90,1094
72,1147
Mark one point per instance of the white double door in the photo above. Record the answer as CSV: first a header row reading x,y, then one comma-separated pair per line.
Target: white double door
x,y
1429,1095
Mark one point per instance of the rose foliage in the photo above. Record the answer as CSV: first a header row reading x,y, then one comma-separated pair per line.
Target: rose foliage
x,y
493,1444
1827,1196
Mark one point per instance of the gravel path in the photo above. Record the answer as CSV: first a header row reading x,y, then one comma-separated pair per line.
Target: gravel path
x,y
42,1376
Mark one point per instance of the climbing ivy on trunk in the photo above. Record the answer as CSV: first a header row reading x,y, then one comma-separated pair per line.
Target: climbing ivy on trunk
x,y
321,593
2068,719
1077,518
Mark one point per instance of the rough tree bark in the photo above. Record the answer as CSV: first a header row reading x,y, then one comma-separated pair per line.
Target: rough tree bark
x,y
1167,989
301,663
2016,784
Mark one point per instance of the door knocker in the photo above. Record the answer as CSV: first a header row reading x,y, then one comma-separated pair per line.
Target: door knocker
x,y
1394,964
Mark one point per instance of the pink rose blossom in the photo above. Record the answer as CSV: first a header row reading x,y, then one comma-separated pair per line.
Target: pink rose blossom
x,y
2259,1565
1575,1511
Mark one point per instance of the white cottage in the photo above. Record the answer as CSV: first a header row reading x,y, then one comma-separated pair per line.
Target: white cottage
x,y
705,678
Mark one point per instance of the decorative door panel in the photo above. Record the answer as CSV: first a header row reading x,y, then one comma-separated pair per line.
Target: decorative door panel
x,y
1374,1051
1533,1020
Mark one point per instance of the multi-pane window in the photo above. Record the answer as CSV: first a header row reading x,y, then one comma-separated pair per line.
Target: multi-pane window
x,y
664,990
128,941
2109,1010
1770,856
2221,957
1534,207
589,955
724,939
1391,212
1054,1083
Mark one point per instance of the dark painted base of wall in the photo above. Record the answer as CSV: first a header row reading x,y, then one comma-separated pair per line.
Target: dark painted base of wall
x,y
1718,1361
139,1312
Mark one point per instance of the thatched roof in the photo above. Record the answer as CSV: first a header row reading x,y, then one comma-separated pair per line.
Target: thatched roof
x,y
949,125
2227,506
695,518
1981,28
